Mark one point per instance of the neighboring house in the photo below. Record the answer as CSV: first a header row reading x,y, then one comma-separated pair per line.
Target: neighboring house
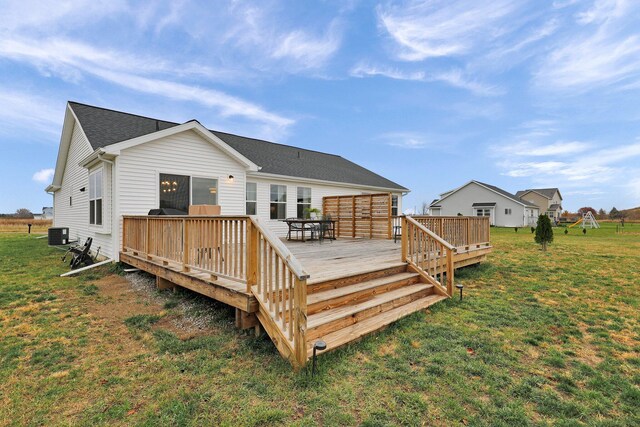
x,y
549,200
112,163
476,198
47,213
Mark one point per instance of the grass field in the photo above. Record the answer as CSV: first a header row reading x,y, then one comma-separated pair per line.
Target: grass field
x,y
540,339
16,225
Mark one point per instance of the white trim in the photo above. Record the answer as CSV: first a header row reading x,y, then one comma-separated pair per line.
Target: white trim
x,y
70,119
191,125
288,178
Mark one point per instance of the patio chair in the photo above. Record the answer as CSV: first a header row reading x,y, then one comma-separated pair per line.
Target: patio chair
x,y
295,228
80,255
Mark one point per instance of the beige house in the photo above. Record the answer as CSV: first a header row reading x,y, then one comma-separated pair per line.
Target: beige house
x,y
549,200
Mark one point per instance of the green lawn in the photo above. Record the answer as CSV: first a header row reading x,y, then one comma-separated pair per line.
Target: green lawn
x,y
540,339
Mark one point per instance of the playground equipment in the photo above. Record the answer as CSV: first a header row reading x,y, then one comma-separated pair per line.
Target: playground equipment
x,y
587,220
575,223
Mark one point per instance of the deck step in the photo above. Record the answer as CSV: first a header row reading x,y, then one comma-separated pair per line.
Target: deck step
x,y
332,298
327,321
345,279
355,331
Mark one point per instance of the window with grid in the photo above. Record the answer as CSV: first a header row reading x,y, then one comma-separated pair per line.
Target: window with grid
x,y
95,197
304,200
278,205
252,198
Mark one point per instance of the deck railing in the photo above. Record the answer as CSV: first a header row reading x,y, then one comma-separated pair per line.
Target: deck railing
x,y
279,282
463,232
428,254
238,248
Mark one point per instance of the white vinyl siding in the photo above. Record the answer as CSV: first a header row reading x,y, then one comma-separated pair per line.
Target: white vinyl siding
x,y
462,201
76,215
185,153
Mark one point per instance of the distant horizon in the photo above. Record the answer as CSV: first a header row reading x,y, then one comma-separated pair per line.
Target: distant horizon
x,y
429,94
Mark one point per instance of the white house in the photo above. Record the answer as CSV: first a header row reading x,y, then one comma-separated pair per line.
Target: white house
x,y
479,199
112,163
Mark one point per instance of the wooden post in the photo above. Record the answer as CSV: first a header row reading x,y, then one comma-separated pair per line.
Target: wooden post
x,y
405,235
353,216
252,254
147,238
370,216
124,234
450,270
300,338
390,226
468,242
185,246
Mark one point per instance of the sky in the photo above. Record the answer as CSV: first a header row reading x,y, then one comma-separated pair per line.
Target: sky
x,y
430,94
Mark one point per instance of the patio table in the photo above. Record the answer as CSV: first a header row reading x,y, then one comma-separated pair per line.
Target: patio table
x,y
302,225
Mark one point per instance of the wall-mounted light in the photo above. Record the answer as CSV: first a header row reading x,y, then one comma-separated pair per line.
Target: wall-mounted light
x,y
231,179
82,189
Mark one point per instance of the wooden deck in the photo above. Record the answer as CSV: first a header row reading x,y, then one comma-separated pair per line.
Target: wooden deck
x,y
300,292
332,259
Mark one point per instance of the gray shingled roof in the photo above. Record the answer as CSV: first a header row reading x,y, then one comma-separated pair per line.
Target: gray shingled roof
x,y
546,192
104,127
506,194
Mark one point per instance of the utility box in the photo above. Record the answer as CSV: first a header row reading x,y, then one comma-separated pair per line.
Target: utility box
x,y
58,236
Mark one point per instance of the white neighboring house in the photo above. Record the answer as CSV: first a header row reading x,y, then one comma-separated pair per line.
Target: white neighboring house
x,y
112,163
47,213
476,198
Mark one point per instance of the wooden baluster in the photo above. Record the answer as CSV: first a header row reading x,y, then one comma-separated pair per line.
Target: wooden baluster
x,y
277,287
185,246
403,240
291,299
300,342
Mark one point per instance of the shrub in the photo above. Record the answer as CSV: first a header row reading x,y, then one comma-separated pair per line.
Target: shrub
x,y
544,232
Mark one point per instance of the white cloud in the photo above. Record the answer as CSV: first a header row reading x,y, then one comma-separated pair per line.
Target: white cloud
x,y
72,60
23,110
603,53
454,78
599,166
528,149
409,140
306,50
44,175
438,28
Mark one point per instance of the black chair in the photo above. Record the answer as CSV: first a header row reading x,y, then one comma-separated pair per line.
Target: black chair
x,y
397,232
293,227
80,255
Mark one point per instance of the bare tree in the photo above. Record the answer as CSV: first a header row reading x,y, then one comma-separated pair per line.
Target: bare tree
x,y
24,213
424,208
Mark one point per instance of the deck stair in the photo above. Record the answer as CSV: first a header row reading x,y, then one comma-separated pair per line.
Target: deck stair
x,y
344,309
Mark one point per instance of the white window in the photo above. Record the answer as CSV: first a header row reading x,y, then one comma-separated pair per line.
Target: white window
x,y
507,211
95,197
394,205
204,191
180,191
483,212
278,206
304,201
252,198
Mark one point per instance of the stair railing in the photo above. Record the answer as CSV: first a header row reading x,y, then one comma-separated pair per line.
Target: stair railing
x,y
279,283
428,254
